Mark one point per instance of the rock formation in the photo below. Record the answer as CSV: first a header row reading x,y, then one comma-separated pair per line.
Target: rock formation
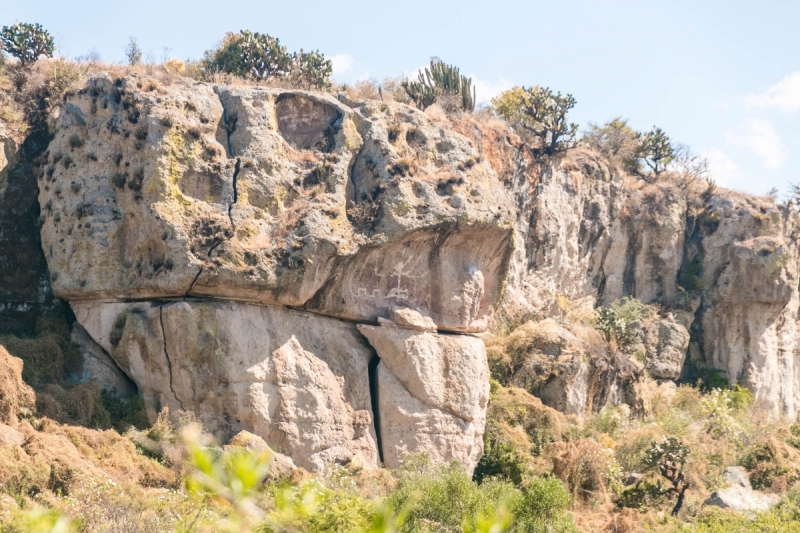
x,y
739,494
212,239
314,270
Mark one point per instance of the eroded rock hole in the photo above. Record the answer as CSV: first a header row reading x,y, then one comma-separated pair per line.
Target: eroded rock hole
x,y
307,124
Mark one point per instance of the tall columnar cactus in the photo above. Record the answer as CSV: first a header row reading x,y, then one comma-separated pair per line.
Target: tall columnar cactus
x,y
437,80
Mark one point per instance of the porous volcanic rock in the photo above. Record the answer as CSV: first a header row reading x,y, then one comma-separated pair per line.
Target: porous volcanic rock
x,y
271,196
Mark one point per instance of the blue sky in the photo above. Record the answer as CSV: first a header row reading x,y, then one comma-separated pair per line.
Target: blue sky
x,y
720,76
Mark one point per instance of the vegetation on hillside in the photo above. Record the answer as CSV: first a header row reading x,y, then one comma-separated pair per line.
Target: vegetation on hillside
x,y
539,116
92,462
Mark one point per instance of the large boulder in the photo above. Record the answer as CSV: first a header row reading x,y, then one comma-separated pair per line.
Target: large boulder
x,y
665,343
297,380
576,375
433,390
739,495
270,196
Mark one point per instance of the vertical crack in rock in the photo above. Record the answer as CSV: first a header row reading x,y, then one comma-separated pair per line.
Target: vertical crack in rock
x,y
193,282
166,354
372,373
235,192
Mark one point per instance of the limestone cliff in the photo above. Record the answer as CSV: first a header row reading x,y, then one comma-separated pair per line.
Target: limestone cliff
x,y
315,270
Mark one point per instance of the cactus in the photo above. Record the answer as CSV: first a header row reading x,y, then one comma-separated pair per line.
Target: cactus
x,y
437,80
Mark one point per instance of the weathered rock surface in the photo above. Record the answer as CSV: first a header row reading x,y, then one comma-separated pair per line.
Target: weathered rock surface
x,y
297,380
98,366
568,373
24,284
433,391
279,466
272,196
739,495
725,263
10,436
747,315
173,215
665,343
410,426
16,397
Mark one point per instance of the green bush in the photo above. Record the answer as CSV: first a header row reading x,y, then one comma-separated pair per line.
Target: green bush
x,y
656,150
310,70
543,507
442,83
27,42
614,322
250,55
443,497
261,57
539,116
617,141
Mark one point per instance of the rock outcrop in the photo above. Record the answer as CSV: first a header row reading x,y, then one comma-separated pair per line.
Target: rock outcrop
x,y
725,263
297,380
573,375
433,391
739,495
211,240
665,342
273,197
312,270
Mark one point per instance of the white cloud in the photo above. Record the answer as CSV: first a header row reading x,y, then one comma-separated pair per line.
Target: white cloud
x,y
760,136
342,63
784,95
722,168
485,90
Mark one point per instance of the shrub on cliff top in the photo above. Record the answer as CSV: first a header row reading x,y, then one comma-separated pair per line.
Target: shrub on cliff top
x,y
617,141
27,42
261,57
250,55
656,150
539,116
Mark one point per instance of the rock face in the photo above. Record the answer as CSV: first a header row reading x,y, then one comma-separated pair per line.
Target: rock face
x,y
723,262
183,197
299,381
24,284
747,323
270,196
311,269
433,391
739,495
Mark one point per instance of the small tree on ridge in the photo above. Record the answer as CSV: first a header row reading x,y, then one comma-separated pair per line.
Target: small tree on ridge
x,y
27,42
538,115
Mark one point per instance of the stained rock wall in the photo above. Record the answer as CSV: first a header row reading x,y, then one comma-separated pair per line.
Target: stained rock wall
x,y
724,263
232,248
312,269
